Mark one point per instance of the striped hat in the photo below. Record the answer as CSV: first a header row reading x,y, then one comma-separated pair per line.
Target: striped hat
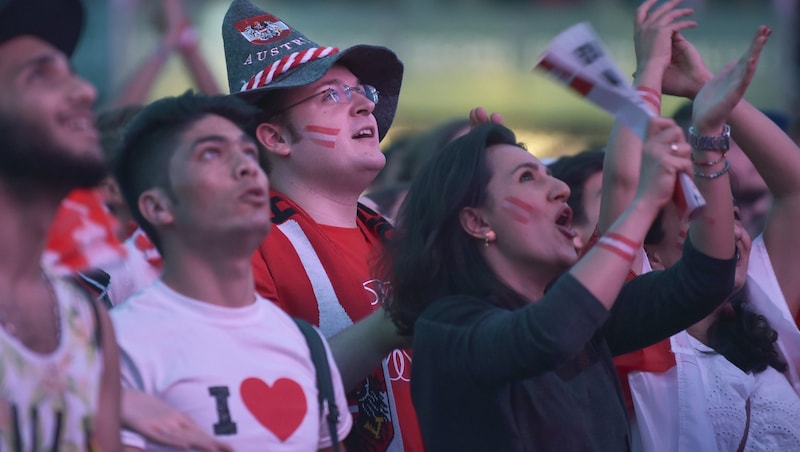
x,y
263,54
57,22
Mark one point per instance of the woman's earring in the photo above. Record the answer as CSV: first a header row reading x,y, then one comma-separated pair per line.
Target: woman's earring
x,y
489,238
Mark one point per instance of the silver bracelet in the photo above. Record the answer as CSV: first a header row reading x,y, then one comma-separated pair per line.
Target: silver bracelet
x,y
709,162
715,174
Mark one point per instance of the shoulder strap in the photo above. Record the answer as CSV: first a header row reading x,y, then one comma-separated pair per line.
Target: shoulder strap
x,y
327,398
95,288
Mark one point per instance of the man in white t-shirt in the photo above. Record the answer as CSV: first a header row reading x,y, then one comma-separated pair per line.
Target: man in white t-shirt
x,y
200,338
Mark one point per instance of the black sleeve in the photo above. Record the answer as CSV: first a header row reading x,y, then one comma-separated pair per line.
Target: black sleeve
x,y
656,305
533,339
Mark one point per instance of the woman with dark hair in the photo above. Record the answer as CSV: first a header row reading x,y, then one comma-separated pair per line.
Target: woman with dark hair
x,y
512,337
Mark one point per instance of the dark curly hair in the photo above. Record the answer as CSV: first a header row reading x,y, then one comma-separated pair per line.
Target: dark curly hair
x,y
745,338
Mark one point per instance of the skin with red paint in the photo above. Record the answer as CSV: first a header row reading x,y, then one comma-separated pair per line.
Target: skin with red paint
x,y
323,136
518,209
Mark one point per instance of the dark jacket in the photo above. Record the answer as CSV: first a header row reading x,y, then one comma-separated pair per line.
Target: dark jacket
x,y
541,377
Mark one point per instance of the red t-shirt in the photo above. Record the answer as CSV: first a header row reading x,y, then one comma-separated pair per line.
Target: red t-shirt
x,y
325,276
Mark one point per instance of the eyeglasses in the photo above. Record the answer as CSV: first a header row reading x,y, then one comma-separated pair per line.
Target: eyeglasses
x,y
339,93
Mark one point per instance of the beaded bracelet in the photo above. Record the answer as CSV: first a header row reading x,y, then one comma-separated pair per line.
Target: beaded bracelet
x,y
709,162
715,174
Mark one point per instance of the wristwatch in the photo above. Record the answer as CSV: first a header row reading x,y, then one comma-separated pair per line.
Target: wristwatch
x,y
711,142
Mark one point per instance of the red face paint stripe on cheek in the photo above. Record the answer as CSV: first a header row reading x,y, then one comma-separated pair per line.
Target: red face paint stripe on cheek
x,y
323,136
519,210
323,130
324,143
520,203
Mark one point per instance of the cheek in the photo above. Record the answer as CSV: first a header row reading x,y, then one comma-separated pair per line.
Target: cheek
x,y
323,136
519,210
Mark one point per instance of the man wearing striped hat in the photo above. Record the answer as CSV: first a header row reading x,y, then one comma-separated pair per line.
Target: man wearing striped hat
x,y
324,112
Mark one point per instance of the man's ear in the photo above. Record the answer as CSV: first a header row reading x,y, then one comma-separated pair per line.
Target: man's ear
x,y
156,207
272,137
473,223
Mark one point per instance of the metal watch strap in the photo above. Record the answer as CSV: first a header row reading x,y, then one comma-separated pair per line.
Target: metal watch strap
x,y
720,142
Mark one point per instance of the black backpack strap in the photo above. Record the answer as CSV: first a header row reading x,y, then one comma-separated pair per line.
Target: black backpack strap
x,y
327,398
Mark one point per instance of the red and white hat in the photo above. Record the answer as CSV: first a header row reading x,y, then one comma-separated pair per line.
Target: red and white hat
x,y
263,54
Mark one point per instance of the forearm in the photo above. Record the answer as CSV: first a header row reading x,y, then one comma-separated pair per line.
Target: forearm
x,y
621,164
623,158
773,153
360,348
658,304
711,230
601,270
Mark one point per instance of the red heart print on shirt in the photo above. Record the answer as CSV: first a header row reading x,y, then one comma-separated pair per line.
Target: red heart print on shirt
x,y
280,408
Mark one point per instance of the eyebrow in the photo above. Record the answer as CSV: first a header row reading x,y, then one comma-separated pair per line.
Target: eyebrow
x,y
40,60
243,138
533,166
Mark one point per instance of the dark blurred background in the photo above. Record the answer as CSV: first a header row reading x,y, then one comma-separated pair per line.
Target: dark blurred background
x,y
458,53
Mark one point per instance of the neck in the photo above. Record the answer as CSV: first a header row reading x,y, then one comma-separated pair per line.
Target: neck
x,y
529,282
699,330
327,207
24,226
222,279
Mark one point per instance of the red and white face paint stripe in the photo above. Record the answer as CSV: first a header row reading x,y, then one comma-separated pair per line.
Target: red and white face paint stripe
x,y
519,209
266,75
323,136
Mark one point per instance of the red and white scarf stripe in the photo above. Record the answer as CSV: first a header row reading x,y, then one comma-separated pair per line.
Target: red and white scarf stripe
x,y
266,75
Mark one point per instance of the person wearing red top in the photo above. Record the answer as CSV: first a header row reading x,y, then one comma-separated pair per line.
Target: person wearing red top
x,y
324,113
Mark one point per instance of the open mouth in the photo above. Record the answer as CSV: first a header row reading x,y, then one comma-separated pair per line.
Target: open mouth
x,y
255,195
366,132
564,222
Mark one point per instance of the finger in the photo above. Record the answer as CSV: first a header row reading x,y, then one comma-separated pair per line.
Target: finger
x,y
681,25
671,16
657,124
657,14
643,9
758,43
477,116
680,149
496,118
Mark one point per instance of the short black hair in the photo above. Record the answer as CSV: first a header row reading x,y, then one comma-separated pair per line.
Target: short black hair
x,y
574,170
150,141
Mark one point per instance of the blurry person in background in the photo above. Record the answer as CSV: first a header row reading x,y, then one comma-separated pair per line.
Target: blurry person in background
x,y
59,375
583,173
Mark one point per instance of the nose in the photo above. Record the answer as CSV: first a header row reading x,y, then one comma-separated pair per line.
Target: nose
x,y
245,165
83,91
559,191
361,105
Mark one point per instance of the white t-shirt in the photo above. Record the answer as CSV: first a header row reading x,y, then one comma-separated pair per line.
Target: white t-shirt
x,y
244,375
